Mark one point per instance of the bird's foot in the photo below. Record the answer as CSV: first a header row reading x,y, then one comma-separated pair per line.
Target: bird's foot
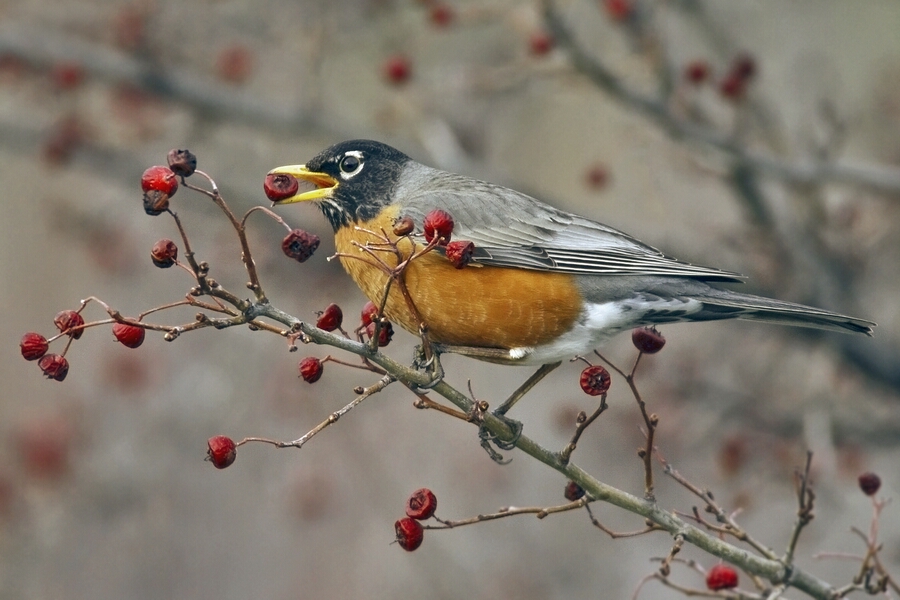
x,y
431,365
489,438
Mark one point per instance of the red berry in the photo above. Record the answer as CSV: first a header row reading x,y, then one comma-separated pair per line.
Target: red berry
x,y
696,72
164,253
540,43
721,577
618,10
44,447
597,176
310,369
182,162
869,483
300,245
130,336
280,186
384,334
33,346
438,224
573,491
404,226
460,253
221,451
648,340
330,318
595,380
161,179
369,313
744,66
67,75
69,319
421,504
732,87
54,366
235,63
441,15
398,69
409,533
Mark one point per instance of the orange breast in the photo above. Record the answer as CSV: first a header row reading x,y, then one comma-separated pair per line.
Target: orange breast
x,y
474,306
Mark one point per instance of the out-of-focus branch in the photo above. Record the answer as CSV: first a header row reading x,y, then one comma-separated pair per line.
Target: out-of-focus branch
x,y
874,177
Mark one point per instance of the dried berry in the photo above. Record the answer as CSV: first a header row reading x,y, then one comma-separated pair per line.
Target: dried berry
x,y
69,319
421,504
869,483
369,313
573,491
155,203
696,72
595,380
310,369
384,334
300,245
160,179
460,253
540,43
33,346
280,186
130,336
404,226
648,340
182,162
164,253
398,69
221,451
54,366
438,224
721,577
330,318
409,533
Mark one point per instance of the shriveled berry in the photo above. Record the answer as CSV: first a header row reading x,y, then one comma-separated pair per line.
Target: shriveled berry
x,y
648,340
438,224
164,253
384,334
54,366
573,491
155,202
221,451
721,577
369,313
421,504
300,245
869,483
130,336
404,226
69,319
460,253
182,162
595,380
398,69
540,43
409,533
618,10
330,318
696,72
161,179
280,186
310,369
33,346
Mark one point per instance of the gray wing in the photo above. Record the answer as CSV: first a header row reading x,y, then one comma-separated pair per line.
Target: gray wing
x,y
510,229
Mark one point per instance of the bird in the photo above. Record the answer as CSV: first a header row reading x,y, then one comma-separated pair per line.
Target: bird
x,y
544,285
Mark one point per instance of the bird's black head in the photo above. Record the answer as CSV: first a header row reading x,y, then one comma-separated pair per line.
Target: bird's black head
x,y
354,180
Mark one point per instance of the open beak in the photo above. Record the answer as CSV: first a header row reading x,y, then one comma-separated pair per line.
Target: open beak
x,y
325,184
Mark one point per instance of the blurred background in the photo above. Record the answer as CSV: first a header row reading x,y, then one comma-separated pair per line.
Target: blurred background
x,y
756,137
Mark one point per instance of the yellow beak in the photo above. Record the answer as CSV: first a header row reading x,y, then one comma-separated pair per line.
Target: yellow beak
x,y
325,184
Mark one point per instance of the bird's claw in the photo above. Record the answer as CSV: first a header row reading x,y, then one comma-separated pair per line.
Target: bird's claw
x,y
431,365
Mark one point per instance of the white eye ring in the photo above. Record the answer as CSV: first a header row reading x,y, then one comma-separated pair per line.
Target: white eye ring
x,y
350,164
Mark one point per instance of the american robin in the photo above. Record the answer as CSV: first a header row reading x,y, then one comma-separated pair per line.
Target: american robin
x,y
544,285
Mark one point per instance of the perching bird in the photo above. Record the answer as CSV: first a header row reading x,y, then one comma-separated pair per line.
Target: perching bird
x,y
544,285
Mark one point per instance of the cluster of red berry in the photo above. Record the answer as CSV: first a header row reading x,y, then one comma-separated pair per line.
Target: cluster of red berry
x,y
733,85
595,379
420,506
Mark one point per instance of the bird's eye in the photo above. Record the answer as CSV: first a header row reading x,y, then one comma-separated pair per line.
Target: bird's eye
x,y
350,164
